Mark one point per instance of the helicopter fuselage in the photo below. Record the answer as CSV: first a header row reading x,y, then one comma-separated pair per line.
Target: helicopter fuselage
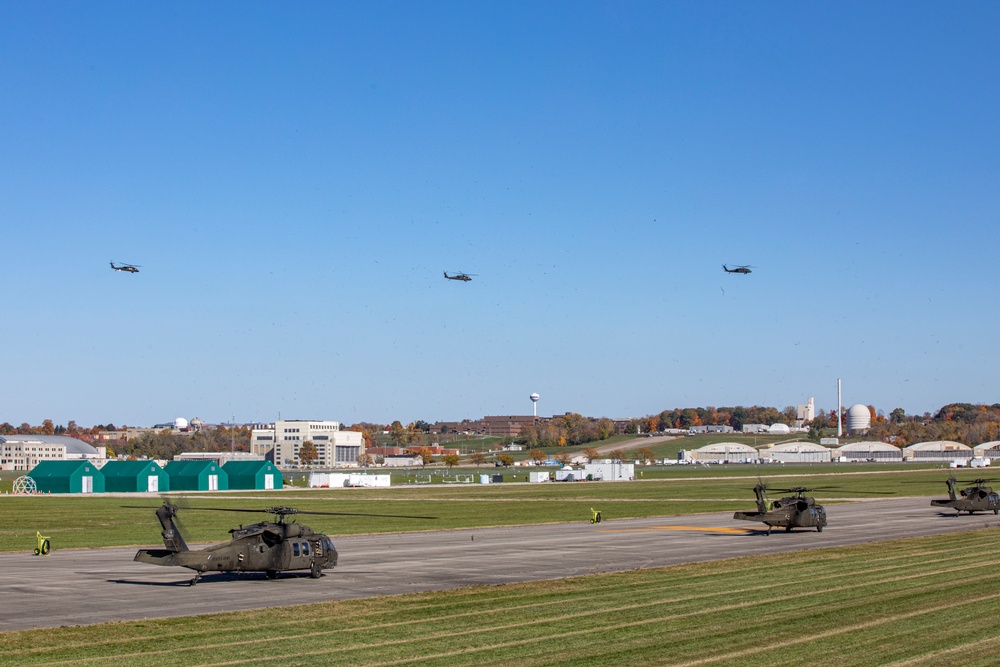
x,y
262,547
796,511
972,499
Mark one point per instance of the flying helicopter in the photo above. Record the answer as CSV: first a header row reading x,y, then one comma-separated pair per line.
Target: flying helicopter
x,y
464,277
796,511
130,268
265,547
744,268
971,499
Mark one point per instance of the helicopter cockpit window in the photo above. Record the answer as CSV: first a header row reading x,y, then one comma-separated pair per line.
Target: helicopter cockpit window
x,y
329,545
295,549
305,548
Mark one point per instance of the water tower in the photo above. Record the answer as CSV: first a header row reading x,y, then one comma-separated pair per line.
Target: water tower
x,y
534,404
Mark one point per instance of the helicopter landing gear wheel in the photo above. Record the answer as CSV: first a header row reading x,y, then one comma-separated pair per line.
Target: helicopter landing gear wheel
x,y
788,528
195,579
271,574
315,571
819,529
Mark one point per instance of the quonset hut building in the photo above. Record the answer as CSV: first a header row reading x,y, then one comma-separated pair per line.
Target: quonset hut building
x,y
868,451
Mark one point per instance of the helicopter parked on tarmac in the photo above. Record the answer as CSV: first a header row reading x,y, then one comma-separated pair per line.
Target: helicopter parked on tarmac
x,y
795,511
971,499
265,547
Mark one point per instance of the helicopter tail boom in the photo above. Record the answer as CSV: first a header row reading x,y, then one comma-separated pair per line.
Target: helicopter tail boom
x,y
172,539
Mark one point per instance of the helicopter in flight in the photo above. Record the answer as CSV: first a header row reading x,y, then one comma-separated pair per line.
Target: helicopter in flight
x,y
971,499
796,511
464,277
268,547
129,268
744,268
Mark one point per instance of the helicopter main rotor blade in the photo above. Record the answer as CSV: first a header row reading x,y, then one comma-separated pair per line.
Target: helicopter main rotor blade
x,y
290,510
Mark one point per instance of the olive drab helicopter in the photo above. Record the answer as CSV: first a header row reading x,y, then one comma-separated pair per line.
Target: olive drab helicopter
x,y
796,511
971,499
265,547
129,268
464,277
744,269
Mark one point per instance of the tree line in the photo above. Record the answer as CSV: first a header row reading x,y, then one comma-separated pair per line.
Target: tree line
x,y
970,423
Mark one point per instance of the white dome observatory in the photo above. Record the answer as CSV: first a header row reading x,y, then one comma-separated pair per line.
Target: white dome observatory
x,y
859,418
180,423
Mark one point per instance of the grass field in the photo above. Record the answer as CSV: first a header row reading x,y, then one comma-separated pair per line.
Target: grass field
x,y
99,520
913,603
102,521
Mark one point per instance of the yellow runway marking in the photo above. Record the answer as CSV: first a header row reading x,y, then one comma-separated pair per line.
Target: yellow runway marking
x,y
704,529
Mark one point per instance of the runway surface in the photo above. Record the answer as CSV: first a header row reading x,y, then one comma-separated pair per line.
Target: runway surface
x,y
86,586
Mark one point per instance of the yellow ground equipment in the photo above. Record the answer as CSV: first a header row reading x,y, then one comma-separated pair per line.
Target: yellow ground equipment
x,y
44,545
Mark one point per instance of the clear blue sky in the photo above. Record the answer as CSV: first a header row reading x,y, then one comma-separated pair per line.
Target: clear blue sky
x,y
294,178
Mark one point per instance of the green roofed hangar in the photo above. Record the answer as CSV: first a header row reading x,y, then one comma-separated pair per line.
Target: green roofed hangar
x,y
135,476
67,477
197,475
253,475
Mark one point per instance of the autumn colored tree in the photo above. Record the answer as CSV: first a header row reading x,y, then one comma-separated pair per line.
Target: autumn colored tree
x,y
645,455
307,453
426,456
591,454
477,459
563,458
414,434
619,456
506,460
538,456
397,433
450,460
605,428
366,460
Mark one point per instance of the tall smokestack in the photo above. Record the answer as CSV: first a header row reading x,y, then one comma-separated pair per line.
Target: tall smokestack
x,y
840,429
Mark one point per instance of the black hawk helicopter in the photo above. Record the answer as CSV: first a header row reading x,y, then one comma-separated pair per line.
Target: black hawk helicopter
x,y
797,511
464,277
745,268
265,547
971,499
130,268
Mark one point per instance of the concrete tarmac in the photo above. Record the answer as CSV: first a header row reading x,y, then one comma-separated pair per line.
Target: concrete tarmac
x,y
86,586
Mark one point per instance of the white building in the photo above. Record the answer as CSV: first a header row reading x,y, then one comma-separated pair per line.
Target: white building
x,y
937,450
989,450
723,452
805,413
868,451
335,448
609,471
798,452
24,452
